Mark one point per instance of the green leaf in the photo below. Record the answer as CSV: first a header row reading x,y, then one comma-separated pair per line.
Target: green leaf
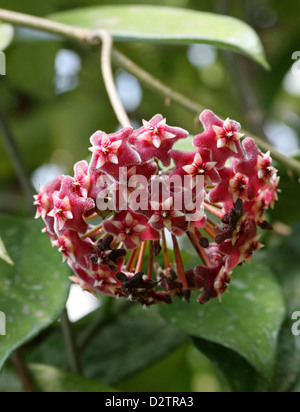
x,y
288,359
49,379
168,25
240,375
6,35
248,322
285,261
34,291
133,342
4,255
171,374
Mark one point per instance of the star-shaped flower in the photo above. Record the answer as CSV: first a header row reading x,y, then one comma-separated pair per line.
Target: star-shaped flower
x,y
264,167
82,180
163,215
69,208
110,152
221,137
42,202
238,187
155,139
130,228
227,136
194,164
62,210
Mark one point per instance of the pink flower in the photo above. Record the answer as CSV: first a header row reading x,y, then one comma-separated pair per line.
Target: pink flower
x,y
110,152
165,216
82,180
42,202
62,211
227,136
264,167
238,187
197,163
69,209
155,139
123,251
215,138
130,229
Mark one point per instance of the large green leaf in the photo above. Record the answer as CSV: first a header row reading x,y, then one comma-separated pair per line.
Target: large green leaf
x,y
6,35
240,375
34,291
136,339
168,25
248,322
285,261
130,344
170,374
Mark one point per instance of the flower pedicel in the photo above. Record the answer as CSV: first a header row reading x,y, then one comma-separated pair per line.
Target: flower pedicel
x,y
119,256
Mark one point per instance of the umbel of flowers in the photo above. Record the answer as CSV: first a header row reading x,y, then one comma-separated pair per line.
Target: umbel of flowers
x,y
125,252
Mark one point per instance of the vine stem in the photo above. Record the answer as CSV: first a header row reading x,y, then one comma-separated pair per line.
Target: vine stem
x,y
107,73
92,38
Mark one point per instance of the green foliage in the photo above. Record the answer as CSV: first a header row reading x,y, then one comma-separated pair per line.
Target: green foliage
x,y
247,340
34,291
163,25
247,322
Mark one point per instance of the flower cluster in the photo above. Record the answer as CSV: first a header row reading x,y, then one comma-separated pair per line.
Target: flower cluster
x,y
124,252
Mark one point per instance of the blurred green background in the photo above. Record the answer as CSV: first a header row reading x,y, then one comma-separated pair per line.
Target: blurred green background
x,y
54,98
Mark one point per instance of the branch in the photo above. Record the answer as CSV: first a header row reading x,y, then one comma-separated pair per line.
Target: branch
x,y
92,38
106,54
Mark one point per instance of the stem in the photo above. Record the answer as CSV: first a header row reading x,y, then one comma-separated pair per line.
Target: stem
x,y
214,211
18,162
210,231
199,249
107,43
23,373
72,353
141,258
179,264
92,38
153,83
132,259
93,231
150,259
37,23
